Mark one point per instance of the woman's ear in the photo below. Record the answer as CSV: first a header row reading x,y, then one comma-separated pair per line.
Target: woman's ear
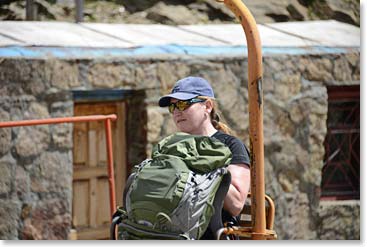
x,y
208,106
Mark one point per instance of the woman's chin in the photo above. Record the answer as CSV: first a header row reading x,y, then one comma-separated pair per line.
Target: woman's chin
x,y
183,128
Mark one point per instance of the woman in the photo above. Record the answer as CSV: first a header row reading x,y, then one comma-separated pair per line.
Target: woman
x,y
195,112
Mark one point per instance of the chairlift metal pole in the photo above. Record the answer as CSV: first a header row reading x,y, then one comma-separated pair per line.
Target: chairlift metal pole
x,y
255,116
79,13
30,10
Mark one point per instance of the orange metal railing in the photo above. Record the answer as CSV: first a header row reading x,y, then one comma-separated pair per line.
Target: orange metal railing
x,y
107,120
259,229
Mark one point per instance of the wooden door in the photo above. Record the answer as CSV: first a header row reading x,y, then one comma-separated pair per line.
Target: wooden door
x,y
91,210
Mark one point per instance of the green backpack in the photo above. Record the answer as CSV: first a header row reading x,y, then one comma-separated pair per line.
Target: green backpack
x,y
171,195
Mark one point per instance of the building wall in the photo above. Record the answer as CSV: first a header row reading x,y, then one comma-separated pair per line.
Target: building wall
x,y
36,163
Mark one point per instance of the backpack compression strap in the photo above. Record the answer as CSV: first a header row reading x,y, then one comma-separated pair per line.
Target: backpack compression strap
x,y
216,221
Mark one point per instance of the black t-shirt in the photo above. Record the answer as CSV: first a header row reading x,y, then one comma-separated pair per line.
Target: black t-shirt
x,y
240,154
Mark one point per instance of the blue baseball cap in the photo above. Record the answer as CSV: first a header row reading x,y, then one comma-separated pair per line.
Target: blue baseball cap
x,y
188,88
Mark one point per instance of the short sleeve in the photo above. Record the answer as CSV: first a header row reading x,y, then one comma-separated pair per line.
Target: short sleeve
x,y
240,154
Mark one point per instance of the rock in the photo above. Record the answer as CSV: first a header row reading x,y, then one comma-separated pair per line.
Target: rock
x,y
15,70
284,182
53,95
5,134
62,74
218,11
105,75
297,11
14,11
299,217
344,11
56,170
45,10
342,70
320,70
146,77
5,177
46,215
196,11
104,11
268,11
138,5
127,75
37,111
62,109
171,14
168,76
22,183
335,216
155,122
9,215
32,141
288,84
138,18
61,135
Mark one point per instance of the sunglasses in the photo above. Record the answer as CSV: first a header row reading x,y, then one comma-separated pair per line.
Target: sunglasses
x,y
182,105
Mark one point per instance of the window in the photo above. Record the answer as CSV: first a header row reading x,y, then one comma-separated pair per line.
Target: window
x,y
340,174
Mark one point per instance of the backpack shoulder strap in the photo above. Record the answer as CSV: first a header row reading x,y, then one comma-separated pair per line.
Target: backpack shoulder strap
x,y
216,221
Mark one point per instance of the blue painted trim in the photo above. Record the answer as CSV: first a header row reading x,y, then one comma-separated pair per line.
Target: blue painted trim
x,y
101,95
77,52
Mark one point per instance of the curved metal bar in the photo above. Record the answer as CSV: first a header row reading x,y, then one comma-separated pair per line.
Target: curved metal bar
x,y
106,118
255,115
271,214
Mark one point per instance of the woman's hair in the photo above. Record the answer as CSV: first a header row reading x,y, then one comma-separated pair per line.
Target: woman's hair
x,y
215,116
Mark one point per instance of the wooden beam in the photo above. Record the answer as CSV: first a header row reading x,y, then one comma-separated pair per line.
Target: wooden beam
x,y
90,172
102,232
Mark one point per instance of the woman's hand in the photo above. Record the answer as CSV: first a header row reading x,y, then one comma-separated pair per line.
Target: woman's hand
x,y
239,188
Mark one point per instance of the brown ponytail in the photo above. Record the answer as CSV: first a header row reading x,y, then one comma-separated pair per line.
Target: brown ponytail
x,y
215,117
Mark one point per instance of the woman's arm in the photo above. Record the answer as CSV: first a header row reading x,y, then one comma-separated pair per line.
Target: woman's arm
x,y
239,188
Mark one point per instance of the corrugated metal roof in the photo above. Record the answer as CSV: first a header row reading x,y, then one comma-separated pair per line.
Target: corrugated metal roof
x,y
61,39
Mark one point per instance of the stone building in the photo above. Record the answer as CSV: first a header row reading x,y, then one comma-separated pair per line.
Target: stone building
x,y
53,179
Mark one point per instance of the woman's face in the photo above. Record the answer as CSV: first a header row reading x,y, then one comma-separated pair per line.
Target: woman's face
x,y
192,119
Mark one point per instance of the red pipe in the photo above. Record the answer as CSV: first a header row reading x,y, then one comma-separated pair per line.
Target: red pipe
x,y
106,118
111,175
57,120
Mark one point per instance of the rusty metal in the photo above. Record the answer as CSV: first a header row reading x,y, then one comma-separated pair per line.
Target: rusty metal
x,y
248,23
245,233
106,118
271,213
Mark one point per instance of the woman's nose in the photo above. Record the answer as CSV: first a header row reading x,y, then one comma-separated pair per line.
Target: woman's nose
x,y
176,111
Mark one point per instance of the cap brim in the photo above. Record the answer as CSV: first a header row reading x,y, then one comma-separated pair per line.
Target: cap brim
x,y
165,100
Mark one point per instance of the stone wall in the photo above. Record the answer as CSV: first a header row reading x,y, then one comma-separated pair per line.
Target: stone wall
x,y
36,204
35,161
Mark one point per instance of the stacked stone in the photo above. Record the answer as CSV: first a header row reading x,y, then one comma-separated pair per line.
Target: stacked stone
x,y
36,162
